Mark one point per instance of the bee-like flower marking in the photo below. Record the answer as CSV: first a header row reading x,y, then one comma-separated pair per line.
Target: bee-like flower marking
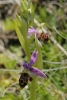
x,y
43,37
24,78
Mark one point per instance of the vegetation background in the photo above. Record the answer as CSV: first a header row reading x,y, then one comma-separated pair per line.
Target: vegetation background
x,y
54,14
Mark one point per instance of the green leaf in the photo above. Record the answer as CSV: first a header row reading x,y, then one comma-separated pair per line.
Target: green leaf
x,y
30,15
24,9
22,25
31,39
39,62
24,42
20,36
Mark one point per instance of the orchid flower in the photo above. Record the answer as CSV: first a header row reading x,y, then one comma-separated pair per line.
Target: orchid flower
x,y
32,30
33,70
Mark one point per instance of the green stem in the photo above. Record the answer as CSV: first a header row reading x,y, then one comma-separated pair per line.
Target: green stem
x,y
33,89
38,64
27,51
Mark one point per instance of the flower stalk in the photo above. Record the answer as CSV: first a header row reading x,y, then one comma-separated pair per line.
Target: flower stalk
x,y
33,89
39,64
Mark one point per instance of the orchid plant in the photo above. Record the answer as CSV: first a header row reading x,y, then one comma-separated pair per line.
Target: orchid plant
x,y
25,36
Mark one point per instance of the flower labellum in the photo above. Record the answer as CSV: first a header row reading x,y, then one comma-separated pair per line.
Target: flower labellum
x,y
33,70
24,79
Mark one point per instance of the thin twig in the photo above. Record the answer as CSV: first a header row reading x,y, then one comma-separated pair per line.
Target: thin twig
x,y
59,33
10,54
44,70
8,37
10,70
8,88
17,1
6,1
62,62
58,45
48,70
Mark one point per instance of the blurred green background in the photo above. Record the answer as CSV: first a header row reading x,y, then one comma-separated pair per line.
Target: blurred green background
x,y
54,14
